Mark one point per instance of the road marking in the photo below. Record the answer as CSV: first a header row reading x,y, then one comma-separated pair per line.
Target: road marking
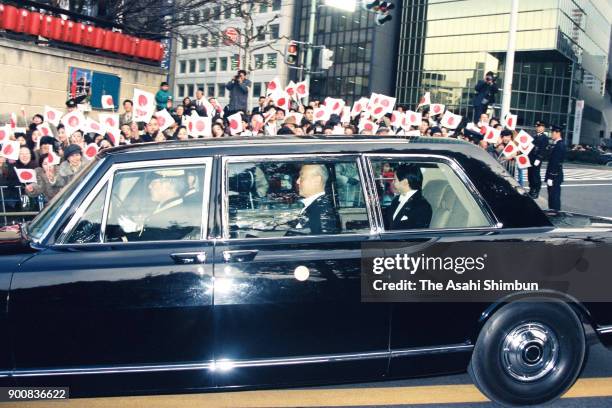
x,y
586,185
375,396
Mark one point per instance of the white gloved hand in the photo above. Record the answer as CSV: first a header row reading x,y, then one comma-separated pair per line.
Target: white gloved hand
x,y
127,225
536,162
549,182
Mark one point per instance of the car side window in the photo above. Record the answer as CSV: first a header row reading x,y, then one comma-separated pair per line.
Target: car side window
x,y
155,204
294,197
88,229
416,195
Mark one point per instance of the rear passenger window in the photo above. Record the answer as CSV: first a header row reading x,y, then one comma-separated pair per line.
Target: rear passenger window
x,y
297,197
416,195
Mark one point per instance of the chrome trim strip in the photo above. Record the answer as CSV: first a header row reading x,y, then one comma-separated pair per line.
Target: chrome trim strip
x,y
452,348
604,329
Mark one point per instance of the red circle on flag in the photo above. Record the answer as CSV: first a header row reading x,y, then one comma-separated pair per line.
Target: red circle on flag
x,y
234,124
510,122
26,175
336,106
45,131
301,88
437,109
385,103
358,107
50,159
483,130
109,100
422,101
393,117
522,159
378,110
143,100
161,121
2,134
110,122
281,102
95,126
320,114
523,139
290,91
509,148
412,118
272,85
73,121
51,115
451,120
190,126
376,100
200,125
91,151
368,126
8,149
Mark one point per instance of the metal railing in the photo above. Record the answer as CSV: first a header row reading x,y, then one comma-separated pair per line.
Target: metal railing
x,y
16,206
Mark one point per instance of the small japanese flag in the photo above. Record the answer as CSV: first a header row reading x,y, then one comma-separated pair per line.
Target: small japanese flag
x,y
44,129
200,126
274,86
235,123
26,175
93,127
53,158
10,149
5,133
413,119
144,105
90,151
367,126
290,89
523,138
425,100
113,134
164,119
436,109
491,135
268,115
281,100
509,121
510,150
450,120
397,119
107,102
257,123
526,149
109,120
301,89
334,105
321,113
359,106
73,121
523,161
474,128
346,115
387,102
52,116
13,121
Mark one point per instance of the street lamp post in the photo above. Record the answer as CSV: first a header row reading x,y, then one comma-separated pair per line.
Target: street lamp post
x,y
509,67
311,28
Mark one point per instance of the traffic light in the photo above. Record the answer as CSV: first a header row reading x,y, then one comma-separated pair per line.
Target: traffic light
x,y
292,53
326,58
382,10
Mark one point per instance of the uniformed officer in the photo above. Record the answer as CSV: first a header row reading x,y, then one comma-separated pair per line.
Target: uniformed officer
x,y
540,143
554,171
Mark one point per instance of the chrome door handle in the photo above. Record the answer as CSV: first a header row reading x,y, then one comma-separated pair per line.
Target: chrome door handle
x,y
240,256
186,258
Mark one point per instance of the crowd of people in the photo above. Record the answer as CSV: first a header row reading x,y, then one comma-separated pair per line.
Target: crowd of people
x,y
265,119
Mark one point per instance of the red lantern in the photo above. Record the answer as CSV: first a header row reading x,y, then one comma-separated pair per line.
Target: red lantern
x,y
159,51
78,33
55,30
98,37
118,43
34,23
67,30
141,49
23,18
128,45
112,41
150,47
10,15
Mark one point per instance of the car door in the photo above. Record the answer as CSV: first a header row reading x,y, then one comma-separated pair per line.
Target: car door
x,y
110,298
287,295
428,337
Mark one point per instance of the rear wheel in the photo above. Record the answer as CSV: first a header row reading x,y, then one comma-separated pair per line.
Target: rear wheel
x,y
528,353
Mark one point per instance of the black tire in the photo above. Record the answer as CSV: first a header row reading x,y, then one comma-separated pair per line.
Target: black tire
x,y
512,375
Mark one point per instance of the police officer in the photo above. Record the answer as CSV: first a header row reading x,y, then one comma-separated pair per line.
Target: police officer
x,y
554,171
540,142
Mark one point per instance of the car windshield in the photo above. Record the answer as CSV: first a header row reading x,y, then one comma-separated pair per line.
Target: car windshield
x,y
39,225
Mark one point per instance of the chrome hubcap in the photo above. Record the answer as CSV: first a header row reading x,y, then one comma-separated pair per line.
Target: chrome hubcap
x,y
530,351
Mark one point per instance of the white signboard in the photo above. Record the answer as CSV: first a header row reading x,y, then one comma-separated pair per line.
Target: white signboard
x,y
577,121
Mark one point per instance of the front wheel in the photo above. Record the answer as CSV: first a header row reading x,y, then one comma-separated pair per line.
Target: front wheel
x,y
528,353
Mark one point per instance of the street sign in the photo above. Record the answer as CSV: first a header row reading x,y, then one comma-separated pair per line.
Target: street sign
x,y
230,36
577,121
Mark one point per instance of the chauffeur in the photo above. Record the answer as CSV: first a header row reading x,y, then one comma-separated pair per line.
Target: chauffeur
x,y
554,171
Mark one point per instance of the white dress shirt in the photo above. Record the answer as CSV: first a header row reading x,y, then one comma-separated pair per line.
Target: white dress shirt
x,y
403,198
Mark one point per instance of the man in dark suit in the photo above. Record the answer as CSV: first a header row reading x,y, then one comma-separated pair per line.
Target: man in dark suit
x,y
540,143
554,171
259,109
319,215
409,209
485,95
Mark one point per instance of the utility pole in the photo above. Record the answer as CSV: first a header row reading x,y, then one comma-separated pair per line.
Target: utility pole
x,y
509,67
311,29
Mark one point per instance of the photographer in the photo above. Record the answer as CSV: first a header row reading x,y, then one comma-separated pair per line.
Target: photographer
x,y
485,94
239,93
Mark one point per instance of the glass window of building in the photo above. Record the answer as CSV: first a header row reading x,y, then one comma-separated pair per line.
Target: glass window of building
x,y
234,61
206,14
210,90
214,40
220,90
200,86
195,17
257,89
216,13
259,61
212,64
261,33
190,90
272,61
227,13
180,90
274,31
192,65
202,64
194,41
276,5
184,43
263,7
182,67
204,40
223,64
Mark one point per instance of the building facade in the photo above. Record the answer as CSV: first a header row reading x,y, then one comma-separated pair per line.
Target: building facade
x,y
203,61
365,54
561,58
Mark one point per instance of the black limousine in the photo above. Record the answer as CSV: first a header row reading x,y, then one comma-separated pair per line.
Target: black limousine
x,y
236,263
